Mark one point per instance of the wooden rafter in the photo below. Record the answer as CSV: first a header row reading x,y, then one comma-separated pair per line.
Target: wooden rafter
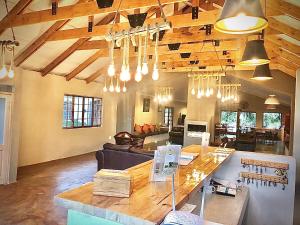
x,y
73,48
78,10
284,28
10,17
284,7
177,64
178,21
95,75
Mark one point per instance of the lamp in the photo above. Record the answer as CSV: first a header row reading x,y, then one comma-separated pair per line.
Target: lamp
x,y
145,69
111,68
155,74
272,100
138,74
255,54
105,87
3,70
262,73
241,17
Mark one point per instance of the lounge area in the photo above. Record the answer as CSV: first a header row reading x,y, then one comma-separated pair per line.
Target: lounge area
x,y
157,112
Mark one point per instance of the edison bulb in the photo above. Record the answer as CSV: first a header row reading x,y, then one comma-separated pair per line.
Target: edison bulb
x,y
207,93
124,89
3,72
118,89
111,70
155,74
219,95
105,88
111,88
123,73
127,74
138,74
193,92
11,74
145,69
199,94
211,91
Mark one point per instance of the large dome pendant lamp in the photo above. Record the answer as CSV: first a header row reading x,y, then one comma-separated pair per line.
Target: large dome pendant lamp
x,y
241,17
255,54
262,73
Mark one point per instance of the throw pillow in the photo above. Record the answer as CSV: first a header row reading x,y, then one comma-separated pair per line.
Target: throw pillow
x,y
152,128
146,129
138,129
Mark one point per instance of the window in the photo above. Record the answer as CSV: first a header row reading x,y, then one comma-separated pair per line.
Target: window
x,y
230,119
82,111
168,116
247,119
272,120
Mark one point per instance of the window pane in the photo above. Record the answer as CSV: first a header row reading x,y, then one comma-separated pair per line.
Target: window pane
x,y
247,119
78,107
67,114
272,120
230,119
97,112
88,110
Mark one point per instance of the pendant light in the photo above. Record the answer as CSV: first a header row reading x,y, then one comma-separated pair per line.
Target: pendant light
x,y
111,86
105,86
219,95
123,68
3,70
124,87
207,94
262,73
111,68
145,69
241,17
138,73
155,74
127,71
11,72
118,89
255,54
272,100
199,89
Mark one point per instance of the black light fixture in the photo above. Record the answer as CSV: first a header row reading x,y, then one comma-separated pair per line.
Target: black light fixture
x,y
105,3
137,20
174,47
185,55
255,54
241,17
262,73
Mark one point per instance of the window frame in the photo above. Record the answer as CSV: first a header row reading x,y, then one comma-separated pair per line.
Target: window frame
x,y
170,115
83,110
248,112
281,119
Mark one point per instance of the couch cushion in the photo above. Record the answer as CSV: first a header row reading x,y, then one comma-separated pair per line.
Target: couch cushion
x,y
146,128
138,129
152,128
124,148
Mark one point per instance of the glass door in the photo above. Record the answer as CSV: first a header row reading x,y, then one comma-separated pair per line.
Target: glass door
x,y
5,110
168,116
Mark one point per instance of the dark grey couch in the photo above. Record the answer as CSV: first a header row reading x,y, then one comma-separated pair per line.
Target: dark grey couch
x,y
119,157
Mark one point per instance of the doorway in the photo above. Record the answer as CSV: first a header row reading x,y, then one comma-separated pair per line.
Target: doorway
x,y
5,136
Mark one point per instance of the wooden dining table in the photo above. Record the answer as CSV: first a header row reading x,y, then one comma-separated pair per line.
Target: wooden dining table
x,y
150,201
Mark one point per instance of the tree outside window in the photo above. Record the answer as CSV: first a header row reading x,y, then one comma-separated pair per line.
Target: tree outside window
x,y
248,119
272,120
229,118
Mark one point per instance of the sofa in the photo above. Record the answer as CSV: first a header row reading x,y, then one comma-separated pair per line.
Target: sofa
x,y
146,130
246,141
125,138
120,157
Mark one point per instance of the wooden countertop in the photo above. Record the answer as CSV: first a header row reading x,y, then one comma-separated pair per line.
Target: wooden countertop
x,y
150,202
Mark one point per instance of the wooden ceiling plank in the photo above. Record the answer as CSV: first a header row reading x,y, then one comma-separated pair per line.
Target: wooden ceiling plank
x,y
73,48
39,42
16,10
284,28
79,10
285,7
178,21
284,43
216,62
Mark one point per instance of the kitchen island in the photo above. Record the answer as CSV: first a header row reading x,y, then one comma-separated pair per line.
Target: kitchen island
x,y
149,202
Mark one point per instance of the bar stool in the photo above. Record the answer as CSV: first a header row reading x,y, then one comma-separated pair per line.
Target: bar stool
x,y
78,218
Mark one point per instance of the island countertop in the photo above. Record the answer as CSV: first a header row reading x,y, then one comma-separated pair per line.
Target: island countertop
x,y
149,202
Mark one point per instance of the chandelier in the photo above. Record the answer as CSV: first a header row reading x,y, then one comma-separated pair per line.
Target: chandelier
x,y
137,36
163,95
206,84
229,93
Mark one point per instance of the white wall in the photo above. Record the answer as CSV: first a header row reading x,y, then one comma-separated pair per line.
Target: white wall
x,y
40,108
267,205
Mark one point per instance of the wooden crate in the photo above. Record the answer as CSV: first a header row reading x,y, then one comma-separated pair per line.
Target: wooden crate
x,y
116,183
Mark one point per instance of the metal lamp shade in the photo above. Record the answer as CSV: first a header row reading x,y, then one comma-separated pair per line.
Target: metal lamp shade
x,y
255,54
241,17
262,72
272,100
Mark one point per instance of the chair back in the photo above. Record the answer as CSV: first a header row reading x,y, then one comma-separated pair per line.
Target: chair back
x,y
79,218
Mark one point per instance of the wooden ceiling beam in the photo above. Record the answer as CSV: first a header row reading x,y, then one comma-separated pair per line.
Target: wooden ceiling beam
x,y
95,75
10,17
178,21
202,63
79,10
39,42
72,48
84,65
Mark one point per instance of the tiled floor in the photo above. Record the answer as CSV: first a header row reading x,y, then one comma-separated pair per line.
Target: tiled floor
x,y
276,147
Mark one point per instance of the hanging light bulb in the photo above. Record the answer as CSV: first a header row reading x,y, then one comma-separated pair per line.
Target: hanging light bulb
x,y
11,72
207,88
127,71
170,97
111,68
3,70
199,95
211,89
124,87
105,87
138,73
145,69
202,84
111,86
123,68
193,92
118,89
155,74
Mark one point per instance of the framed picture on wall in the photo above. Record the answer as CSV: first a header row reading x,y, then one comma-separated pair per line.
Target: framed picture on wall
x,y
146,105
